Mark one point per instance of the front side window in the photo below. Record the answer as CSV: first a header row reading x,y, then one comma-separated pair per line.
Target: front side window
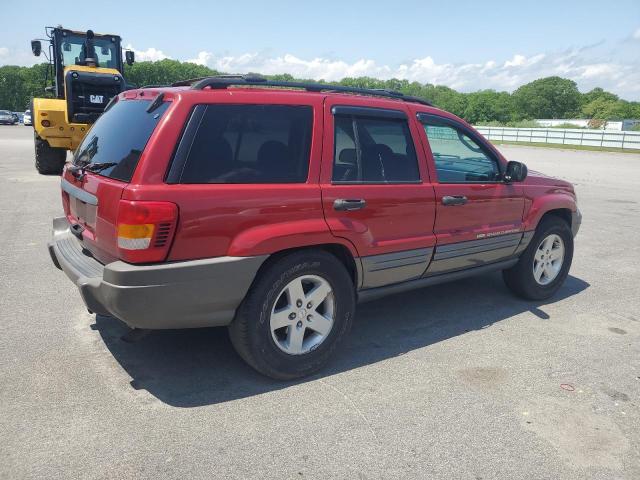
x,y
373,150
251,144
458,158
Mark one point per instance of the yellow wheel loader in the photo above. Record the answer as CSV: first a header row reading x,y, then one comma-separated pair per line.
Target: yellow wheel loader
x,y
85,72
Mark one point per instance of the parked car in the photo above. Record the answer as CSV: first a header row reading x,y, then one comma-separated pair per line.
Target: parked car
x,y
273,211
27,118
8,118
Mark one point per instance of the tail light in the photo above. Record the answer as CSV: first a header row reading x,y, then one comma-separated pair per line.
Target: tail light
x,y
145,230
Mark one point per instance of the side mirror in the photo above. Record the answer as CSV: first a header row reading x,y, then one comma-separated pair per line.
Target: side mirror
x,y
130,56
36,47
516,172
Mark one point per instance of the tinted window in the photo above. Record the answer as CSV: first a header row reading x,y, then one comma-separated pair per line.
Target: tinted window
x,y
458,158
382,151
251,144
119,136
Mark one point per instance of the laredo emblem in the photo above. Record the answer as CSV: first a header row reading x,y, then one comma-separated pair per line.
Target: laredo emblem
x,y
96,98
495,234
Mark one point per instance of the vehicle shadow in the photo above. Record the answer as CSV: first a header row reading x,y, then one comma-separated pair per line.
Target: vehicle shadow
x,y
190,368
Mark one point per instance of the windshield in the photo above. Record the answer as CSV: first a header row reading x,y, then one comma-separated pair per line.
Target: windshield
x,y
119,138
74,52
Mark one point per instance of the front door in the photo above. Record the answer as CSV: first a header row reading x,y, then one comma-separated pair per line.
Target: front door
x,y
375,192
478,215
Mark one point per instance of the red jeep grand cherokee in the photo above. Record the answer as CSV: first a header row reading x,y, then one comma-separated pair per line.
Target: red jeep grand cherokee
x,y
274,210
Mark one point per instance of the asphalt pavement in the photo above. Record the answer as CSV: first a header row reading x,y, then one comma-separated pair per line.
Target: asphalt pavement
x,y
456,381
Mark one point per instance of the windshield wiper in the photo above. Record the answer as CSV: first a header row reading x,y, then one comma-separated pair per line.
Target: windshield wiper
x,y
78,171
98,166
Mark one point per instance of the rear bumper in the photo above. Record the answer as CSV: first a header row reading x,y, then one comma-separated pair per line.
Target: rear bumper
x,y
197,293
576,221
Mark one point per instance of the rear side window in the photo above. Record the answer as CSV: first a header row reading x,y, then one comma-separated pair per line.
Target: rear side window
x,y
373,150
119,137
250,144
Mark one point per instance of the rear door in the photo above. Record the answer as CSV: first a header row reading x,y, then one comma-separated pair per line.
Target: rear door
x,y
90,199
478,215
375,192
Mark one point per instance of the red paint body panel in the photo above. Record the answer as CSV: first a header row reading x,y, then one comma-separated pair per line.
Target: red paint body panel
x,y
542,194
99,236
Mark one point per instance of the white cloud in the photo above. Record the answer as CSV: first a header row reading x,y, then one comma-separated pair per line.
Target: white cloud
x,y
202,59
636,34
149,55
22,57
621,78
516,61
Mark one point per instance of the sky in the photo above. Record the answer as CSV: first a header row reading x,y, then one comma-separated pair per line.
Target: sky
x,y
465,45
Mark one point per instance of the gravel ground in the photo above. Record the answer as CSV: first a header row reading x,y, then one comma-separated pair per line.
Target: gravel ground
x,y
454,381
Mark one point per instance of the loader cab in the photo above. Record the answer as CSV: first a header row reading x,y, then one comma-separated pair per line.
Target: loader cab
x,y
70,48
85,72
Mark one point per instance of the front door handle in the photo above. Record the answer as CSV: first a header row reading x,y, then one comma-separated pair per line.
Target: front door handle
x,y
454,200
342,204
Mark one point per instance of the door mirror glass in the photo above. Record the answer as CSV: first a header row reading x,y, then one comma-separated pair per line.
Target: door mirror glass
x,y
130,56
515,172
36,47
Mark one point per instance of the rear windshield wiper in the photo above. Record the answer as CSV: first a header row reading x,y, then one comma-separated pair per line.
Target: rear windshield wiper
x,y
78,171
98,166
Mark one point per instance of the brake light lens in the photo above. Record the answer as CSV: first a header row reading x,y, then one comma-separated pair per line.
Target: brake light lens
x,y
145,230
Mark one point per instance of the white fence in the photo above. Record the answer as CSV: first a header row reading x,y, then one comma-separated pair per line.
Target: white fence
x,y
565,136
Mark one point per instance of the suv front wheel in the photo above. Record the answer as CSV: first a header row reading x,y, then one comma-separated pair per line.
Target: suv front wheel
x,y
295,315
544,265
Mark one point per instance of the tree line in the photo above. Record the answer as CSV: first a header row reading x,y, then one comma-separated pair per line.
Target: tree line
x,y
550,97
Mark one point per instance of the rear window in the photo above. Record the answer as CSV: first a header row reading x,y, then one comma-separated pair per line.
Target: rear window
x,y
250,144
119,136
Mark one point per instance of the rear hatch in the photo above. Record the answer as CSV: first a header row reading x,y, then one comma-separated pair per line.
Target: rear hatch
x,y
103,165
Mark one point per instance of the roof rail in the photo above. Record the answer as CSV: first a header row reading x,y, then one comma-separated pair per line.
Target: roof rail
x,y
224,81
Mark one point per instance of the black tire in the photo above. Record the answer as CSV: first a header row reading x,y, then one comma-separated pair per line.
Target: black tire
x,y
520,278
250,331
49,160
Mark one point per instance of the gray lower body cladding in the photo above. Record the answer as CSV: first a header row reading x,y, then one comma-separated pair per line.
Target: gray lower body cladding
x,y
196,293
379,270
383,274
473,253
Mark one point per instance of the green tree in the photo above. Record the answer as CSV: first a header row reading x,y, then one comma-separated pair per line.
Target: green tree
x,y
607,109
486,106
551,97
597,93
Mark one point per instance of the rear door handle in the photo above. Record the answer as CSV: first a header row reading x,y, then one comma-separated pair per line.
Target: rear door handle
x,y
342,204
454,200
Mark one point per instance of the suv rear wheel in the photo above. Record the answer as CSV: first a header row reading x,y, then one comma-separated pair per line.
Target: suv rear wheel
x,y
544,265
295,315
49,160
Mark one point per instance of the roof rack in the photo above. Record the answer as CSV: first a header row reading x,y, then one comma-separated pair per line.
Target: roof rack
x,y
224,81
